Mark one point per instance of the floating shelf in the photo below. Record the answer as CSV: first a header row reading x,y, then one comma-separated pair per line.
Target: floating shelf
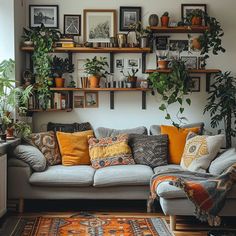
x,y
50,110
180,29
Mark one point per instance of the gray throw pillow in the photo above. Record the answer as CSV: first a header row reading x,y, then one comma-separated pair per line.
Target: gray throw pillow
x,y
32,156
223,162
102,132
149,150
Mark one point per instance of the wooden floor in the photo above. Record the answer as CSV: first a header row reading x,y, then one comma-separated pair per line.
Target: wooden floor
x,y
186,226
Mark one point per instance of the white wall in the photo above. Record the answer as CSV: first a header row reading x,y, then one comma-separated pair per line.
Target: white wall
x,y
128,112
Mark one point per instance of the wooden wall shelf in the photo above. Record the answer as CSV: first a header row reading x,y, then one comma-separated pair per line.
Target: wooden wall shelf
x,y
180,29
50,110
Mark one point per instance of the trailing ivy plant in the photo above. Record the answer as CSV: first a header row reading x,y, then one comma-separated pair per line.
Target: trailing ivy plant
x,y
173,88
222,105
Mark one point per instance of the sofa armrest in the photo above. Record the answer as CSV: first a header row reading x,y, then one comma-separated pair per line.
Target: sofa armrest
x,y
14,162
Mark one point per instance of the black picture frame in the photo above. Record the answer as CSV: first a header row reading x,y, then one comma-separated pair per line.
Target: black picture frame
x,y
194,6
44,18
191,62
196,84
67,31
162,42
124,10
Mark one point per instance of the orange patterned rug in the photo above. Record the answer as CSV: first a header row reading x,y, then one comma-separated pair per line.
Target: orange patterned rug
x,y
86,226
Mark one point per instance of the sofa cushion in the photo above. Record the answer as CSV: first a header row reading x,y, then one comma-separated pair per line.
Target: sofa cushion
x,y
167,167
32,156
223,162
102,132
64,176
123,176
149,150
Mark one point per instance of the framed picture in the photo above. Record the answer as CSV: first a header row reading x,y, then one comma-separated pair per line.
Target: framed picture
x,y
78,101
188,8
190,62
195,84
99,25
119,63
44,14
161,42
72,25
133,63
179,45
129,16
91,99
201,63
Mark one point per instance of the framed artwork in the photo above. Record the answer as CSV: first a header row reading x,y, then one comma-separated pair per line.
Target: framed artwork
x,y
44,14
161,42
91,99
188,8
195,84
179,45
129,16
190,62
78,101
133,63
99,25
72,25
201,63
119,63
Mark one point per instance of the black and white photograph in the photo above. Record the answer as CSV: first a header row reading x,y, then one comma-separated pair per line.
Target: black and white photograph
x,y
162,42
72,25
119,64
179,45
129,16
188,8
201,63
133,63
195,84
44,14
91,99
190,62
99,25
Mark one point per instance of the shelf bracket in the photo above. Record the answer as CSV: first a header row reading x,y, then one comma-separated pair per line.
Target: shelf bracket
x,y
144,103
70,57
144,62
112,100
111,62
31,63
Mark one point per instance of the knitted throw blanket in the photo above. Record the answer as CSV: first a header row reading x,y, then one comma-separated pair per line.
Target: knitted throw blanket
x,y
206,191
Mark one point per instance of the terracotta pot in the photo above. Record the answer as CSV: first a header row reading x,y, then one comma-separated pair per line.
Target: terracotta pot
x,y
10,132
197,21
59,82
196,44
162,64
94,81
165,21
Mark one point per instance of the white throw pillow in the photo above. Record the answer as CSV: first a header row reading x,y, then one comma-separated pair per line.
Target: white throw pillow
x,y
199,151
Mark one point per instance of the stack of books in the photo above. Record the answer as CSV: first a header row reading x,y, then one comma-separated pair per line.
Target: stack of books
x,y
65,43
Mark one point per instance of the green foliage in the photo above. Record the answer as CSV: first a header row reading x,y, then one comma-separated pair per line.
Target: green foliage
x,y
222,104
61,66
194,13
140,31
130,73
96,66
165,13
173,88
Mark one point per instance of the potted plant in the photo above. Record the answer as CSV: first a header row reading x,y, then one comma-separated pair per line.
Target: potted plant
x,y
173,88
131,76
195,17
95,68
165,19
11,98
163,60
28,37
222,105
59,67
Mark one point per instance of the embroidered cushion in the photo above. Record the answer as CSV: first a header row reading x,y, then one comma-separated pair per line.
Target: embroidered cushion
x,y
199,151
46,142
74,147
110,151
149,150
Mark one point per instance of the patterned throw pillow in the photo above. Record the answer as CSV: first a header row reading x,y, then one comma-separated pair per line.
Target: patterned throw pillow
x,y
46,142
110,151
199,151
149,150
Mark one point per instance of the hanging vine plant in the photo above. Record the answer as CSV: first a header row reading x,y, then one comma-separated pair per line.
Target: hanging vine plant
x,y
173,88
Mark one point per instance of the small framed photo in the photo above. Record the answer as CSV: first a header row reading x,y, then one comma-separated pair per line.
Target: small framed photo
x,y
119,63
201,63
91,99
188,8
99,25
133,63
44,14
190,62
195,84
72,25
162,42
129,16
78,101
179,45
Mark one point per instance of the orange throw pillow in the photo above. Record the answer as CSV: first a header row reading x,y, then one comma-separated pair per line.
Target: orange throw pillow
x,y
74,147
177,140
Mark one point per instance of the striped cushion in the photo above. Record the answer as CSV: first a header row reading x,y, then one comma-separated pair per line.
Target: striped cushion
x,y
110,151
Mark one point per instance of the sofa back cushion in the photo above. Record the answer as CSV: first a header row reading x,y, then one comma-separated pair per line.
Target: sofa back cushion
x,y
74,147
102,132
69,128
149,150
110,151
